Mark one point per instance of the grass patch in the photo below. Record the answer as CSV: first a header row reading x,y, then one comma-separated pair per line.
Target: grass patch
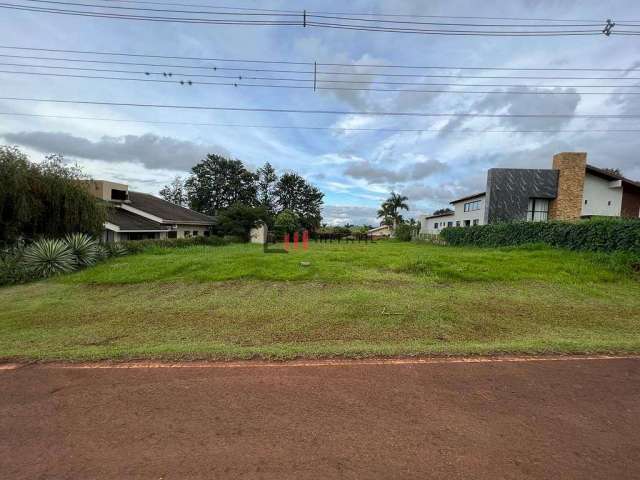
x,y
238,302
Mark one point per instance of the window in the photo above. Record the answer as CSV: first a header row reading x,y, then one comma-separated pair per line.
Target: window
x,y
467,223
435,225
449,224
172,234
207,233
118,194
195,233
476,221
538,210
187,234
609,203
585,202
457,223
471,206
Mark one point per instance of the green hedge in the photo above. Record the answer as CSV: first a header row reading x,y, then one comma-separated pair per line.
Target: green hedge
x,y
136,246
605,235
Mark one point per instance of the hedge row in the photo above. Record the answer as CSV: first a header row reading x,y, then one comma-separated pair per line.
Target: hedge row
x,y
137,246
605,235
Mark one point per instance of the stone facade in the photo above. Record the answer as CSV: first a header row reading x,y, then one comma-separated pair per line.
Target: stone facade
x,y
509,191
571,167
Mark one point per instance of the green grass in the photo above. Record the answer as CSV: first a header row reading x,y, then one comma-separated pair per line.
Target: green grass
x,y
238,302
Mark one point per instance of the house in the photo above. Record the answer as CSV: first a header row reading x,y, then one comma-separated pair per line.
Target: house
x,y
137,216
383,231
570,190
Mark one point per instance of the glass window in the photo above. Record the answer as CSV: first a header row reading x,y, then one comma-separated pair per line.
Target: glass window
x,y
435,225
467,223
476,221
457,223
187,234
449,224
195,233
538,210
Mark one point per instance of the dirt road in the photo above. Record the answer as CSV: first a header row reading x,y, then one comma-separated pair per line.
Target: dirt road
x,y
520,419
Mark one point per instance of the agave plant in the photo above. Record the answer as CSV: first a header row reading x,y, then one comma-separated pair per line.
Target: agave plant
x,y
117,250
102,252
49,257
83,248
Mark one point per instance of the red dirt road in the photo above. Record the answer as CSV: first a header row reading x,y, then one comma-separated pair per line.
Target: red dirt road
x,y
541,419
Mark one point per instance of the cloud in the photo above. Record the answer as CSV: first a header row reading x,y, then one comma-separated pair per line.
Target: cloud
x,y
355,215
563,101
363,169
153,151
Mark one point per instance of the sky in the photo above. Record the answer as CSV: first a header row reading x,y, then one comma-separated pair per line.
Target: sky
x,y
355,169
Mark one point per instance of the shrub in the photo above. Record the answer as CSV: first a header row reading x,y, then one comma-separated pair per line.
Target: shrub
x,y
12,269
605,235
83,248
117,249
404,232
136,246
49,257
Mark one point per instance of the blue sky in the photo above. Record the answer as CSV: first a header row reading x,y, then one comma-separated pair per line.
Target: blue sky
x,y
356,170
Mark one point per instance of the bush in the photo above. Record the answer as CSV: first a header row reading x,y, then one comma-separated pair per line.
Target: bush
x,y
404,232
49,257
136,246
604,235
12,269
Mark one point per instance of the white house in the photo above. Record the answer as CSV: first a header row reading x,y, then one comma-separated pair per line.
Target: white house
x,y
467,211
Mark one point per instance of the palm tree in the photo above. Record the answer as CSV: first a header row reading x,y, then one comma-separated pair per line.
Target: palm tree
x,y
391,207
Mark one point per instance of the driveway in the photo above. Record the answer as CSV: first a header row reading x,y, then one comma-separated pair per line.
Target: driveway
x,y
536,418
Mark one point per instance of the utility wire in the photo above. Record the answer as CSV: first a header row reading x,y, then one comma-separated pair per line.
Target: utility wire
x,y
309,127
174,73
238,84
310,71
290,19
325,112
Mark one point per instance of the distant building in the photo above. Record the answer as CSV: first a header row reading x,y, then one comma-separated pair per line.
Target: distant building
x,y
383,231
137,216
570,190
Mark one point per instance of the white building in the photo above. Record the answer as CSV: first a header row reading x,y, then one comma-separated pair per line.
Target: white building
x,y
466,211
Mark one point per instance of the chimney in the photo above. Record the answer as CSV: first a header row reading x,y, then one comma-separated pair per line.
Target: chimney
x,y
571,167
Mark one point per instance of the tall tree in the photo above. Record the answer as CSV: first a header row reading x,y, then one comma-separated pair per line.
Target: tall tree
x,y
44,199
267,180
295,194
217,183
391,208
175,193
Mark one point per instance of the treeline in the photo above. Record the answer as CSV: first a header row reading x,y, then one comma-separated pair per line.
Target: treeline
x,y
43,199
237,197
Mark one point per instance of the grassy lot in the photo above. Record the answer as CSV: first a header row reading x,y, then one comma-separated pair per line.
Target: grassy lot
x,y
353,300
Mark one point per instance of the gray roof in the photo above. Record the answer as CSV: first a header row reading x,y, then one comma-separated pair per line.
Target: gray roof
x,y
469,197
167,211
130,221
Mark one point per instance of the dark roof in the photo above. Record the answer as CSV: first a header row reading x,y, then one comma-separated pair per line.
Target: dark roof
x,y
468,197
611,176
130,221
446,214
167,211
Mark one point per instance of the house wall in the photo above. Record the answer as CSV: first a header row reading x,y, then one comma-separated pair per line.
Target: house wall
x,y
427,225
102,188
186,231
460,215
509,191
602,197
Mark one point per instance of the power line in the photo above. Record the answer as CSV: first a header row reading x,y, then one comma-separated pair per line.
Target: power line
x,y
300,19
286,62
308,127
240,78
310,71
325,112
239,84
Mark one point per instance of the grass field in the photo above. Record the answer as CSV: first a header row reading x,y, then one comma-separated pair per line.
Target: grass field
x,y
357,300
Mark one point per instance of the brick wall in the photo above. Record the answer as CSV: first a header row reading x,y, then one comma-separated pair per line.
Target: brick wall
x,y
571,168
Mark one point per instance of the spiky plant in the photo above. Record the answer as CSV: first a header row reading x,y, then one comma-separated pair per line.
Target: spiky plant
x,y
49,257
117,250
83,248
102,252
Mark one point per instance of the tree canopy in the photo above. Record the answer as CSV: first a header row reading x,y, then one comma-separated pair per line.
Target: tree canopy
x,y
390,209
217,183
44,199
